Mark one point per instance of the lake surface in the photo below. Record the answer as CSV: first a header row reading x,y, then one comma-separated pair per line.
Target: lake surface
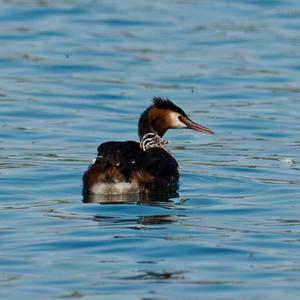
x,y
77,73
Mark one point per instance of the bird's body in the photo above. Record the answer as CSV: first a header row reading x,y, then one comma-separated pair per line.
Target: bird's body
x,y
140,167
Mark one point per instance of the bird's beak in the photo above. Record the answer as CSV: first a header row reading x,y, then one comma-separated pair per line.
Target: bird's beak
x,y
192,125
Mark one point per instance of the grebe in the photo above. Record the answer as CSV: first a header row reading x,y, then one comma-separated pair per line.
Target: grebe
x,y
132,167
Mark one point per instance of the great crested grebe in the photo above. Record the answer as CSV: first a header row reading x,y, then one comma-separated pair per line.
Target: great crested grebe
x,y
132,167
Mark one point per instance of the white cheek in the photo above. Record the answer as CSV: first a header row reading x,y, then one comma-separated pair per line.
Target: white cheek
x,y
175,121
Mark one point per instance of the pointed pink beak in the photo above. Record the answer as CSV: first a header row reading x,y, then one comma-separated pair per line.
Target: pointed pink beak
x,y
192,125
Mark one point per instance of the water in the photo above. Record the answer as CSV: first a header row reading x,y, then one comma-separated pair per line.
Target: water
x,y
77,73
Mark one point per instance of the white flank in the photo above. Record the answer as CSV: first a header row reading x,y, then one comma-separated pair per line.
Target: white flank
x,y
115,188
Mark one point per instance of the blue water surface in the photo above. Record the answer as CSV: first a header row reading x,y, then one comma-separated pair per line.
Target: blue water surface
x,y
77,73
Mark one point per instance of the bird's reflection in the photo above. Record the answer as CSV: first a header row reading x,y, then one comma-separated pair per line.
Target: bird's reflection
x,y
157,219
129,198
163,200
140,220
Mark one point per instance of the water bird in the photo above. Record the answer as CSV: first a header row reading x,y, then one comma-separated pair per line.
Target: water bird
x,y
145,166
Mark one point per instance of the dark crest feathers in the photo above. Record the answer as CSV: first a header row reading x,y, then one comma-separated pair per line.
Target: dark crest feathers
x,y
165,103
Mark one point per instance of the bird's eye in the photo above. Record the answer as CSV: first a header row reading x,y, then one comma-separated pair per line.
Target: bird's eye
x,y
180,118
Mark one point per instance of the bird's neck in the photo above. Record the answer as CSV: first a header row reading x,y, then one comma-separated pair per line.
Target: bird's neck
x,y
152,121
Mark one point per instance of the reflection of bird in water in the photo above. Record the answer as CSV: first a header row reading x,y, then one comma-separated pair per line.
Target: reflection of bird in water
x,y
163,198
132,167
142,220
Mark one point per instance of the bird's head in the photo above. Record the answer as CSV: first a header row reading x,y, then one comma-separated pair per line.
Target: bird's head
x,y
162,115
